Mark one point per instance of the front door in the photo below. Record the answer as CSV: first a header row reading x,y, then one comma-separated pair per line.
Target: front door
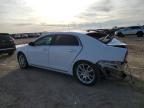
x,y
39,53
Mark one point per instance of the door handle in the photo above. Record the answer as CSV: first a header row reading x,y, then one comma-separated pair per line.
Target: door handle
x,y
70,50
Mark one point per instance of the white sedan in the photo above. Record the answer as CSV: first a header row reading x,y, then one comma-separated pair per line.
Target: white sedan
x,y
73,53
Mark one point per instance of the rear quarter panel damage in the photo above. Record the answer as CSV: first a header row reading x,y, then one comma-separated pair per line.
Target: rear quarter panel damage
x,y
94,51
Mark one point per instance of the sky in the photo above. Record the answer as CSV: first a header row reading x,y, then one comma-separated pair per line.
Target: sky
x,y
17,16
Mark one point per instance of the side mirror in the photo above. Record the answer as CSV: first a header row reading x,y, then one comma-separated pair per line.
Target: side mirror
x,y
31,44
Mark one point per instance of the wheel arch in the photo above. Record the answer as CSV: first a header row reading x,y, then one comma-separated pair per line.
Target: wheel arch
x,y
80,61
96,65
20,52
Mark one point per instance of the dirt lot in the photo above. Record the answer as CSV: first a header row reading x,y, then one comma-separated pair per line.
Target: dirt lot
x,y
37,88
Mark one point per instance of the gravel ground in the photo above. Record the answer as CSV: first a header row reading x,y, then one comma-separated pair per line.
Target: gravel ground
x,y
38,88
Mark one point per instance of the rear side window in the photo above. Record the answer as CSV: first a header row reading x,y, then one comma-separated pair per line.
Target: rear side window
x,y
66,40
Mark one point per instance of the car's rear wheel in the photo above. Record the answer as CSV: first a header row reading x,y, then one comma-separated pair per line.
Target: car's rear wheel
x,y
86,73
139,34
22,61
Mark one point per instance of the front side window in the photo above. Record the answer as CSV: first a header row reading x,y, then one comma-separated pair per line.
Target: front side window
x,y
66,40
44,41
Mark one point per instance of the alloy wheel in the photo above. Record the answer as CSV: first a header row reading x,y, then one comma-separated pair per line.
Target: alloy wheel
x,y
22,61
85,73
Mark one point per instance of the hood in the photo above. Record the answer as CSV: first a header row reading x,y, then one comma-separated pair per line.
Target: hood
x,y
115,42
21,45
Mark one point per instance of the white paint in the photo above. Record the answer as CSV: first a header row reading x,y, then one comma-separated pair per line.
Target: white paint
x,y
60,58
115,42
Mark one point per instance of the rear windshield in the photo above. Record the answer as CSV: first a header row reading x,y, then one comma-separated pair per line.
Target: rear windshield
x,y
104,38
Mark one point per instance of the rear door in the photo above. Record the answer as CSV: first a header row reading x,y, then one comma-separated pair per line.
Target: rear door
x,y
63,51
127,31
134,30
131,30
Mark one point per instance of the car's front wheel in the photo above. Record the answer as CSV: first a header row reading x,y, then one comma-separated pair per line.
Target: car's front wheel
x,y
86,73
22,61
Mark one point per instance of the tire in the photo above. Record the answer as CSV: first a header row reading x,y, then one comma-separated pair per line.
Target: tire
x,y
86,73
139,34
22,61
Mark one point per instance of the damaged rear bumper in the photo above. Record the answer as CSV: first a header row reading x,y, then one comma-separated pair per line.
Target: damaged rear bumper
x,y
112,68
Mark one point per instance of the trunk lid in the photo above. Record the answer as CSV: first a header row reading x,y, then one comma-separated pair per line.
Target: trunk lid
x,y
116,43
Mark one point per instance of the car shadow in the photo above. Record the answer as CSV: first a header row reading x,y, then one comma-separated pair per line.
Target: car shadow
x,y
35,87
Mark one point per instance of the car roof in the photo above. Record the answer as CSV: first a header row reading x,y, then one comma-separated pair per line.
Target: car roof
x,y
72,33
134,26
69,33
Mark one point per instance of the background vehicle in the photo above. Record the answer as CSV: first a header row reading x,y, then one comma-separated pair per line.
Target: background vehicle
x,y
72,53
133,30
7,44
25,35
